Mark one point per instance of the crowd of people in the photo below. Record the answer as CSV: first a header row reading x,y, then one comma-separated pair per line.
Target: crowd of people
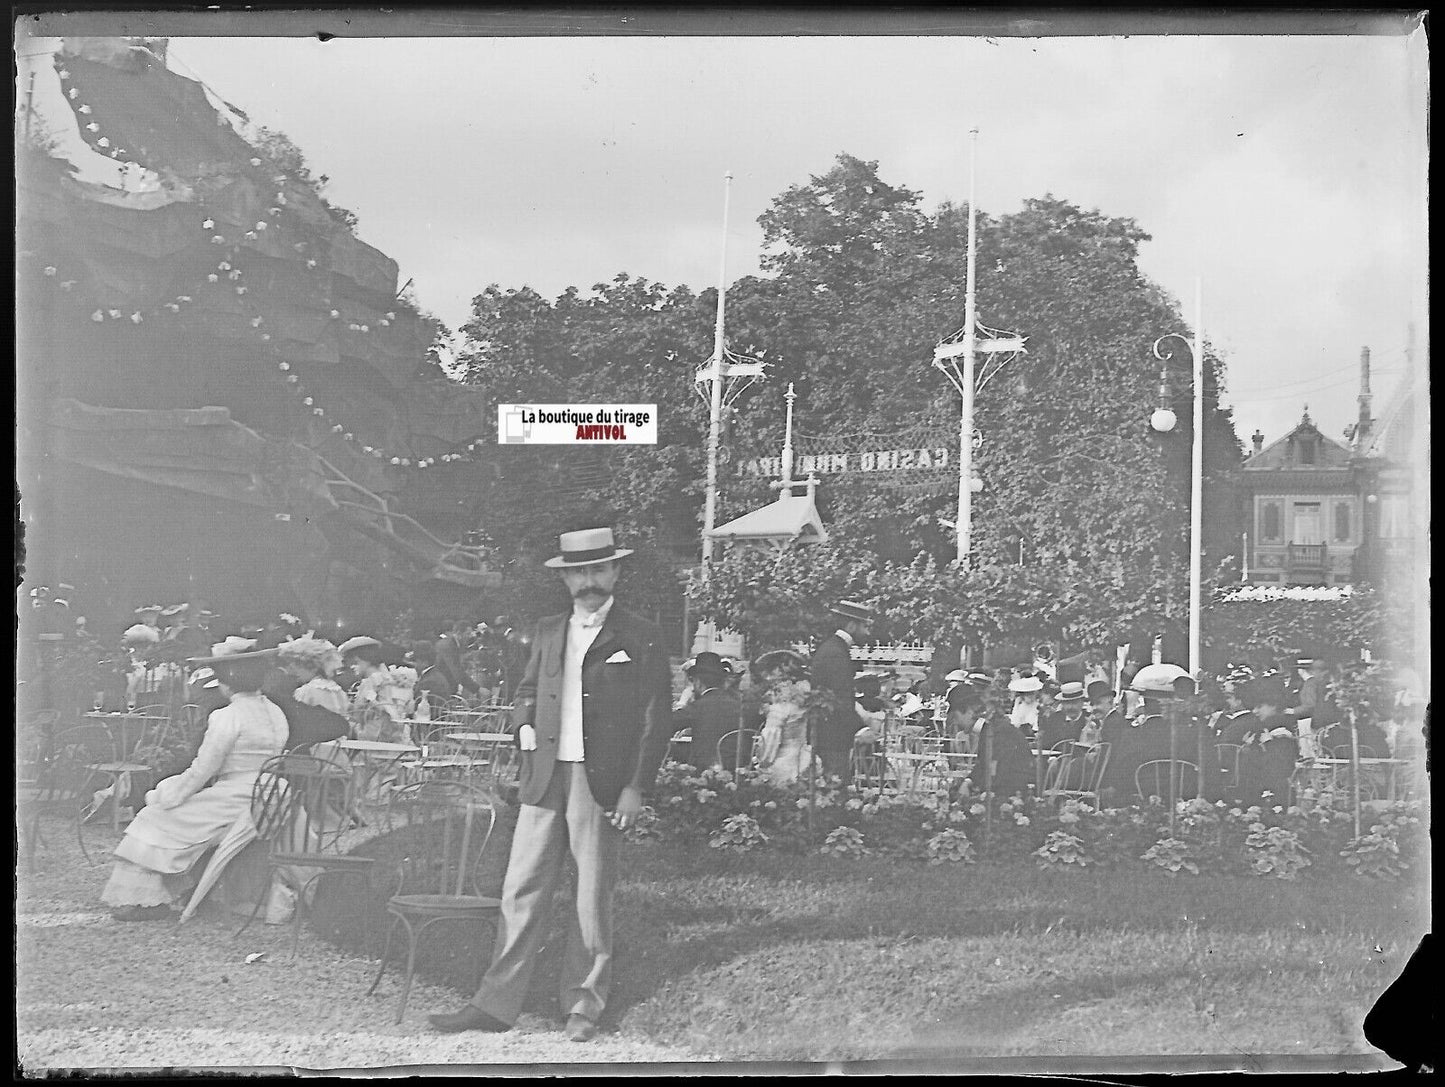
x,y
268,691
593,717
1247,730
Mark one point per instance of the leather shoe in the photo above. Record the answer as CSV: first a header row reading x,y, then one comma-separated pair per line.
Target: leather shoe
x,y
470,1017
580,1028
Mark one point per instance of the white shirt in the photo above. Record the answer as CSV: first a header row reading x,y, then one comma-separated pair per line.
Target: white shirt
x,y
582,629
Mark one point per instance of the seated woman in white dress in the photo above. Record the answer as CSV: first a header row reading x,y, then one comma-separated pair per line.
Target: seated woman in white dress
x,y
785,753
187,814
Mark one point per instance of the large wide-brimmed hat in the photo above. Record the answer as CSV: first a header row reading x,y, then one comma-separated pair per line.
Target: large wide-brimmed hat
x,y
586,547
910,705
231,651
312,651
1026,685
357,641
1158,679
784,659
958,675
851,609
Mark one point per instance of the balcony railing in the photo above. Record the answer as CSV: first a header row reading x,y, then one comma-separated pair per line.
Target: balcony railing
x,y
1308,555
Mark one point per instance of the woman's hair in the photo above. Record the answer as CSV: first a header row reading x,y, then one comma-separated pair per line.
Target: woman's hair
x,y
371,654
245,676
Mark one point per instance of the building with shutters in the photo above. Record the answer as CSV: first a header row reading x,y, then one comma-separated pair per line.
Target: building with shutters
x,y
1326,512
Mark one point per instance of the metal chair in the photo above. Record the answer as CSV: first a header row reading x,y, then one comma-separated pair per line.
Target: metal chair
x,y
302,804
1165,779
1345,751
679,746
116,759
1078,775
449,825
737,748
867,767
1228,756
40,785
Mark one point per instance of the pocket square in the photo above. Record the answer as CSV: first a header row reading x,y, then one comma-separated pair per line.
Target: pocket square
x,y
620,657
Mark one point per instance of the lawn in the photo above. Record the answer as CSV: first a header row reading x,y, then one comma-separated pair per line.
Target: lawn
x,y
757,957
764,956
778,958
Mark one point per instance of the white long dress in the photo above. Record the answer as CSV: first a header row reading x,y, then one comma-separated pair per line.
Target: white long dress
x,y
187,814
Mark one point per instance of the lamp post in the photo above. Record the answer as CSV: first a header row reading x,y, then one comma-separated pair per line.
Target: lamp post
x,y
1164,420
965,346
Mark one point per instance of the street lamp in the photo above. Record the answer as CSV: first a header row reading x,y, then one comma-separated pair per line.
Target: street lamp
x,y
1163,420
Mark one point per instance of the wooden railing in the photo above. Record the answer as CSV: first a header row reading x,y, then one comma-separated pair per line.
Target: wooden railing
x,y
1307,556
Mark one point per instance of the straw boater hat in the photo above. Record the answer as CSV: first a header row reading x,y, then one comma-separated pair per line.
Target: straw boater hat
x,y
851,609
958,675
587,547
1071,692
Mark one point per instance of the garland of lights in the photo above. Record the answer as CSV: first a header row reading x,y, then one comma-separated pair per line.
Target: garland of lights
x,y
227,267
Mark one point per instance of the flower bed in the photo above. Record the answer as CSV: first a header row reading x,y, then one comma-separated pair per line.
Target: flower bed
x,y
743,812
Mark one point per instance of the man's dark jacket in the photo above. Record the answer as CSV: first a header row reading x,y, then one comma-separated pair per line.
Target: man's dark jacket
x,y
832,670
710,716
626,706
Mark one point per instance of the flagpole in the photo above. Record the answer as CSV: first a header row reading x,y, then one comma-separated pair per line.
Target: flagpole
x,y
715,376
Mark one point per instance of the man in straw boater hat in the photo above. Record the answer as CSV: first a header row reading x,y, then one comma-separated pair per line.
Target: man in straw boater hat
x,y
593,714
832,669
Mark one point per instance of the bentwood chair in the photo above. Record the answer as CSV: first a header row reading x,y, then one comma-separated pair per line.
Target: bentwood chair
x,y
1163,779
1078,775
447,826
1228,756
736,748
302,804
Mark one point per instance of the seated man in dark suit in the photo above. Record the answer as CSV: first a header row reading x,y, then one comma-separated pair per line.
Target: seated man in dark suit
x,y
713,712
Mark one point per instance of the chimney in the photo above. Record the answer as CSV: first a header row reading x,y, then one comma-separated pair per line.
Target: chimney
x,y
1258,439
1363,420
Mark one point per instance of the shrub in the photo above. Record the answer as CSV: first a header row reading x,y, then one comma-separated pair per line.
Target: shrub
x,y
844,842
1377,854
739,832
1061,849
1275,851
1172,855
950,846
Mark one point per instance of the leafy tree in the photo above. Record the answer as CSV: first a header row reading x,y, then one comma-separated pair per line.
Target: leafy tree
x,y
1081,531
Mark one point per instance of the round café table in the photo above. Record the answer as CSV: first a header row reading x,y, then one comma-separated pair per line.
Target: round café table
x,y
372,758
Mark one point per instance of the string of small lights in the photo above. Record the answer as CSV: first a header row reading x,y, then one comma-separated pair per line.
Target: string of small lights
x,y
227,272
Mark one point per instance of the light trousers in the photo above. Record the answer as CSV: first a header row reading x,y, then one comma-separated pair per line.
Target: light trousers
x,y
566,819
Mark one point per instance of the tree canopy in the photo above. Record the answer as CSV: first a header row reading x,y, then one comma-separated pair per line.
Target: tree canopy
x,y
1081,530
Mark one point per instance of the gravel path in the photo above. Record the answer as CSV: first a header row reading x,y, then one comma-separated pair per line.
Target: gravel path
x,y
92,992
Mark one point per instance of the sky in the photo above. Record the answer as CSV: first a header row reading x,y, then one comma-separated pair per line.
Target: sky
x,y
1287,173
